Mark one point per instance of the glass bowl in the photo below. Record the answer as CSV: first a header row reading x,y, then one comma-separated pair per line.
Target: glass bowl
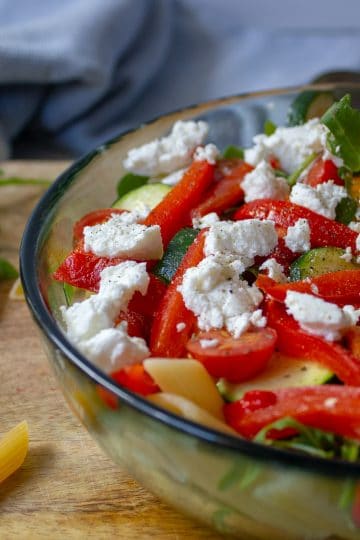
x,y
235,486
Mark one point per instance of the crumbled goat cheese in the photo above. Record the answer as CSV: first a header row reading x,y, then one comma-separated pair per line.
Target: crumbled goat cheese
x,y
180,326
214,291
117,239
173,178
208,343
261,183
208,153
314,288
347,255
297,238
121,281
112,348
319,317
205,221
354,226
322,199
330,402
128,218
242,240
290,145
357,245
275,270
166,155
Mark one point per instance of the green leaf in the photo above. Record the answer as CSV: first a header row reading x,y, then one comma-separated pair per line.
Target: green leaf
x,y
346,210
233,152
292,179
269,127
7,270
178,246
344,138
69,291
129,182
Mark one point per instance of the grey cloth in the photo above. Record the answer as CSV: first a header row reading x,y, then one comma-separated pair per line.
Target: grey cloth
x,y
84,70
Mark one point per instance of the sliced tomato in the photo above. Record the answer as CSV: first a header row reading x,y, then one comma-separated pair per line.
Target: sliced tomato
x,y
93,218
137,324
166,339
342,287
235,359
136,379
227,191
323,231
323,170
173,212
83,270
333,408
297,343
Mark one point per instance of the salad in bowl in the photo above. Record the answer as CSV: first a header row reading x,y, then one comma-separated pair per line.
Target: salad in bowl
x,y
222,286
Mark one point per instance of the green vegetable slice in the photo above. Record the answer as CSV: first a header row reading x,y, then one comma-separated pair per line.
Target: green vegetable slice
x,y
319,261
178,246
307,105
233,152
129,182
7,270
346,210
344,138
147,196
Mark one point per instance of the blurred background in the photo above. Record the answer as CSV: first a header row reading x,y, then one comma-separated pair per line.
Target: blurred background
x,y
77,72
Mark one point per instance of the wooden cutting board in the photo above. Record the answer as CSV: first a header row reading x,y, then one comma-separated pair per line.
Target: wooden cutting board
x,y
67,488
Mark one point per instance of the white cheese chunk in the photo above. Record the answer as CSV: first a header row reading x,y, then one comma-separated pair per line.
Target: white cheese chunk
x,y
275,270
354,226
262,183
218,296
173,178
111,349
205,221
291,145
208,153
121,281
297,238
347,255
180,326
128,218
322,199
114,238
208,343
319,317
166,155
357,245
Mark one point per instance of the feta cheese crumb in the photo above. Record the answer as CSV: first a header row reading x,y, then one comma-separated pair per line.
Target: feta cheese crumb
x,y
330,402
205,221
208,153
314,288
214,291
291,145
357,245
114,238
319,317
166,155
208,343
297,238
322,199
261,183
121,281
275,270
173,178
354,226
180,326
347,255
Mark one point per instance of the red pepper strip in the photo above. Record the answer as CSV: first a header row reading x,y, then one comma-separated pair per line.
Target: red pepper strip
x,y
165,339
83,269
322,171
332,408
137,324
136,379
323,231
93,218
295,342
173,212
342,287
225,193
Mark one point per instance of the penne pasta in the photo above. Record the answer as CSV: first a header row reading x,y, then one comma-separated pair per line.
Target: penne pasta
x,y
13,449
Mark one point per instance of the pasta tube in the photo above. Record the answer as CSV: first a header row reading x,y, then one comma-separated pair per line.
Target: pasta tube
x,y
13,449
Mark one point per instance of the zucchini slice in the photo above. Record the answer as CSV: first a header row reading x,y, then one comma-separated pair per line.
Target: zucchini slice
x,y
147,196
307,105
319,261
282,371
174,253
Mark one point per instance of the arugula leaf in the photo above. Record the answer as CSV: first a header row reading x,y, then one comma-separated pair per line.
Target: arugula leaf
x,y
233,151
7,270
129,182
344,138
269,127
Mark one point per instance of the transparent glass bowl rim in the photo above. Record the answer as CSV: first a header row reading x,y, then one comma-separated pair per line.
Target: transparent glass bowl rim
x,y
29,250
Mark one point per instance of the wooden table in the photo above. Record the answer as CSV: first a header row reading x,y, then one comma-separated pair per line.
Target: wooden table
x,y
67,488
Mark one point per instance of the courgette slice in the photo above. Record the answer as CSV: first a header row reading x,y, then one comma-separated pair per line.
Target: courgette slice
x,y
178,246
282,371
129,182
307,105
147,196
319,261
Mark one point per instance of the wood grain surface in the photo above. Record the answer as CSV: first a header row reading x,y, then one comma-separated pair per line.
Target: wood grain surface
x,y
67,488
